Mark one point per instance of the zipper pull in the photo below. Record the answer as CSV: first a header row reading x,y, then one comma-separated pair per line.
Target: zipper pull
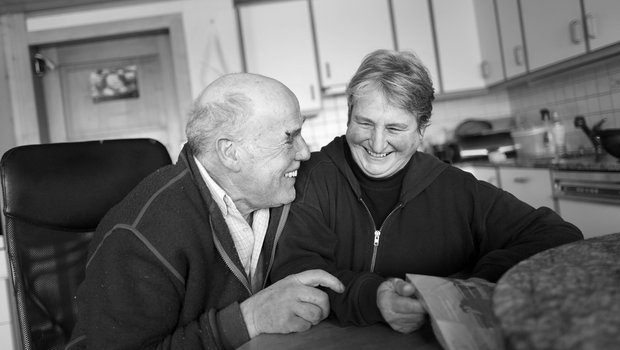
x,y
377,234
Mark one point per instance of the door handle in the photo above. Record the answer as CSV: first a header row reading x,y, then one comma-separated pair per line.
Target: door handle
x,y
518,55
575,31
521,180
591,26
485,69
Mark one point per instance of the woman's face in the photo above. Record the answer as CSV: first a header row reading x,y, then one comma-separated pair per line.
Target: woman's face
x,y
382,137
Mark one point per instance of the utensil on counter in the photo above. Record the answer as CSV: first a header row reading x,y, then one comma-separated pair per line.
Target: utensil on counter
x,y
609,139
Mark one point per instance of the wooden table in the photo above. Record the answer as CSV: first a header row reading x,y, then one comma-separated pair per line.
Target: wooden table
x,y
327,335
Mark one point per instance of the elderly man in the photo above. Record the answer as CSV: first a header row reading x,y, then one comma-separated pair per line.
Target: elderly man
x,y
183,260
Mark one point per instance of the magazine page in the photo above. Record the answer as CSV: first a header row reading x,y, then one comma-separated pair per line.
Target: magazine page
x,y
461,312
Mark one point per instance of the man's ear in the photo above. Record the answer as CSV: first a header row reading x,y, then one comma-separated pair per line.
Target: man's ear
x,y
228,154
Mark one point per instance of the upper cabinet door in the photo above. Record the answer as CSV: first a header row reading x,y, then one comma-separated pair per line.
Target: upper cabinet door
x,y
278,42
414,32
553,31
602,22
491,66
346,31
457,45
513,49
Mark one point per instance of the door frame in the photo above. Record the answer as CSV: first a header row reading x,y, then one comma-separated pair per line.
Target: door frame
x,y
171,23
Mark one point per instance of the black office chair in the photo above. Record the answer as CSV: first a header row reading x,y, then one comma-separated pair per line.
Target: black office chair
x,y
54,196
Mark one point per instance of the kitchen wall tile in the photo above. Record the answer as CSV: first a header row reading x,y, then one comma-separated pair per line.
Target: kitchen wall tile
x,y
605,104
592,91
615,99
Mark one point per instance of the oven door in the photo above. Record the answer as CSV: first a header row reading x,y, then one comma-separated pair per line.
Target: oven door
x,y
592,218
589,200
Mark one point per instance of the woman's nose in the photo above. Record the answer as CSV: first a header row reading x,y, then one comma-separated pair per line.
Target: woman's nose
x,y
377,140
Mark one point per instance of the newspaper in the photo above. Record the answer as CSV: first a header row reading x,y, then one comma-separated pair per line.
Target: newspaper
x,y
461,312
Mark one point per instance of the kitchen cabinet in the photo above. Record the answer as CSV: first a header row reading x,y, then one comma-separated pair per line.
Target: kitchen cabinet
x,y
553,31
278,42
484,173
488,35
513,50
602,22
414,32
531,185
346,31
458,45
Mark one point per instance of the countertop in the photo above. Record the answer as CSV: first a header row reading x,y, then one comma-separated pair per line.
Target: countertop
x,y
572,163
566,297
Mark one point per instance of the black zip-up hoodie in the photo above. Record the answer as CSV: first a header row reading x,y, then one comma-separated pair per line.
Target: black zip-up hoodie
x,y
446,223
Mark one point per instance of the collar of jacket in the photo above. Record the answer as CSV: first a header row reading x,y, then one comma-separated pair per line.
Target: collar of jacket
x,y
422,169
220,229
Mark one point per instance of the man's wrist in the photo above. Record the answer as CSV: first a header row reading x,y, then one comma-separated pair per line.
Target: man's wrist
x,y
248,318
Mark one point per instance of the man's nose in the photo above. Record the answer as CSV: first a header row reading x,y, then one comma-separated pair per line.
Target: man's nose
x,y
303,152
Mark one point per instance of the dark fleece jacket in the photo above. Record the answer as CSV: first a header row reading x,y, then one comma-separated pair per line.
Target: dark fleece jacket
x,y
446,223
163,271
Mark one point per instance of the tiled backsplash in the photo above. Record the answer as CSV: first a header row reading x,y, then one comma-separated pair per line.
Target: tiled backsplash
x,y
592,91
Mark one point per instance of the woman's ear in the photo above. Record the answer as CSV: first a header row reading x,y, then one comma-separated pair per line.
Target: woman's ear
x,y
228,154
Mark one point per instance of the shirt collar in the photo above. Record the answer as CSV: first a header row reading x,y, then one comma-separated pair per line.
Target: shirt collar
x,y
217,192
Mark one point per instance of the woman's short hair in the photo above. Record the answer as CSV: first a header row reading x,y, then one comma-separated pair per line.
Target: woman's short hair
x,y
401,77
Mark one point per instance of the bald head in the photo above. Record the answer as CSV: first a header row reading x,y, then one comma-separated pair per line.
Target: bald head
x,y
253,86
229,103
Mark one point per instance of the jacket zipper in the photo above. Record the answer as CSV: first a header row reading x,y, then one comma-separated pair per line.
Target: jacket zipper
x,y
228,261
375,242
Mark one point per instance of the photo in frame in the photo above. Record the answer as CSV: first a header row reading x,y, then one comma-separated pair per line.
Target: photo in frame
x,y
108,84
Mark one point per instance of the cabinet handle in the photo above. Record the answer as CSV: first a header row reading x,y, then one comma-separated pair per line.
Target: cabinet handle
x,y
484,69
575,31
328,71
590,26
518,53
312,92
521,180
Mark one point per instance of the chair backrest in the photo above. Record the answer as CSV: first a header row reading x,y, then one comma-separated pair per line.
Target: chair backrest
x,y
54,196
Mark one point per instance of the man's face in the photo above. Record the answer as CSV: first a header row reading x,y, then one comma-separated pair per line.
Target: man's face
x,y
382,138
271,157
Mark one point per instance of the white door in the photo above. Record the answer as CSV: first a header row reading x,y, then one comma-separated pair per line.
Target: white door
x,y
278,42
491,66
603,22
346,31
113,88
458,45
553,31
414,32
512,39
533,186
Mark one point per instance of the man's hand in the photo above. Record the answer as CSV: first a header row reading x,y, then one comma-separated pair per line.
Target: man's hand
x,y
398,307
292,304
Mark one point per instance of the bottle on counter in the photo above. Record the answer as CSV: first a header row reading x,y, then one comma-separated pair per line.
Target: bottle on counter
x,y
559,135
548,142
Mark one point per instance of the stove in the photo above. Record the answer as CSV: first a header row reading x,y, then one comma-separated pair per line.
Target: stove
x,y
587,163
586,179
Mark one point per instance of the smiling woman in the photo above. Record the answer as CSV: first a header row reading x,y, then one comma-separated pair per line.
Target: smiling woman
x,y
370,208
